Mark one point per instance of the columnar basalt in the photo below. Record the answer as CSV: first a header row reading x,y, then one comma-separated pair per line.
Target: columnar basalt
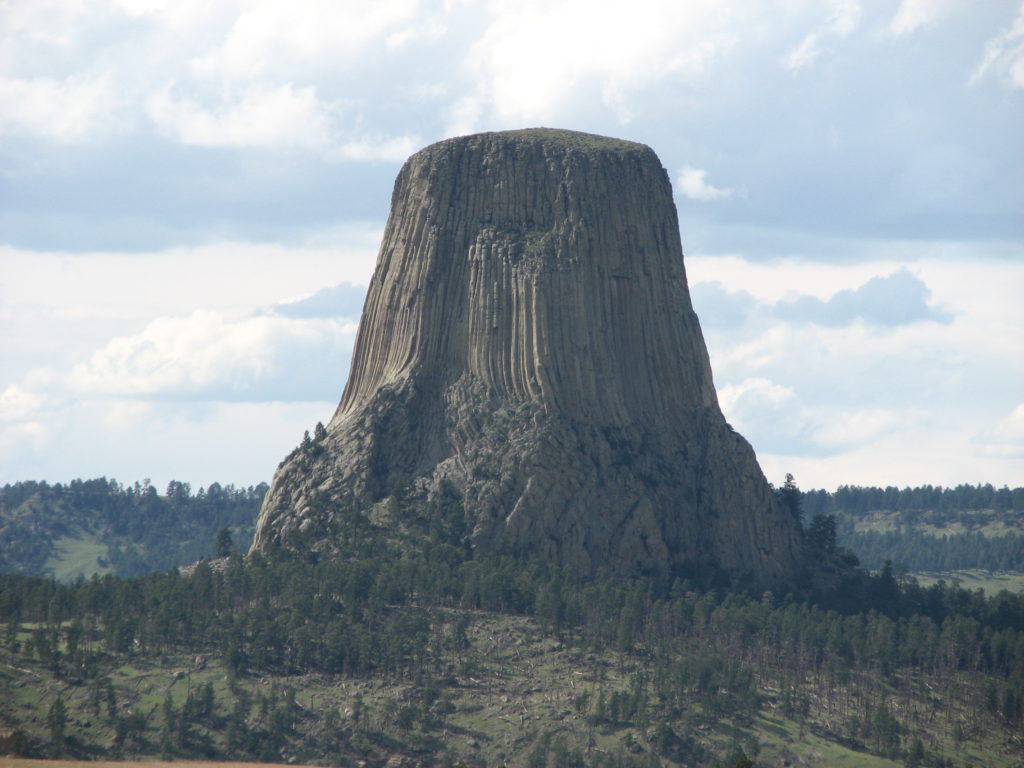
x,y
528,341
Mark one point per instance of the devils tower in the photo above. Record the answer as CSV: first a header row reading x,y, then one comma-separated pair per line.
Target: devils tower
x,y
528,346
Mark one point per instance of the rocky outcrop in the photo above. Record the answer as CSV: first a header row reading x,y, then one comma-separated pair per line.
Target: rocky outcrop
x,y
528,343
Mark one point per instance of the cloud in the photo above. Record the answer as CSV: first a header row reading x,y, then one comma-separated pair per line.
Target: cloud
x,y
843,19
1004,54
767,414
845,429
240,443
266,117
345,300
803,54
207,75
69,111
1006,438
898,299
528,69
890,301
690,182
913,15
17,404
226,276
373,148
270,36
721,308
884,383
779,419
285,116
209,357
23,428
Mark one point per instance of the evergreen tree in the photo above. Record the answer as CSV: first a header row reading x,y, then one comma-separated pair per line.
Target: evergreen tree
x,y
56,722
224,545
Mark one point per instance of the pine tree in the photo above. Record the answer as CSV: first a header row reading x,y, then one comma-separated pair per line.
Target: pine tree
x,y
56,721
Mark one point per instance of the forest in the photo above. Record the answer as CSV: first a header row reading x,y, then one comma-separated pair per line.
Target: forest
x,y
400,649
135,530
138,531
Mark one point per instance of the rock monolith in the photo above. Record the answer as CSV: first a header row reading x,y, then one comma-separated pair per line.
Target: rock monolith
x,y
528,346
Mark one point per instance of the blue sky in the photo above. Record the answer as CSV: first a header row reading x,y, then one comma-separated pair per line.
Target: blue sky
x,y
192,195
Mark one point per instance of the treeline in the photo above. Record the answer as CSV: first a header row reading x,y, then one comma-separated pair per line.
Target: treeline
x,y
919,513
143,531
858,501
917,551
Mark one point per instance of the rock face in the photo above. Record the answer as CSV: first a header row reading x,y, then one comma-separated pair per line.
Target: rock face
x,y
529,345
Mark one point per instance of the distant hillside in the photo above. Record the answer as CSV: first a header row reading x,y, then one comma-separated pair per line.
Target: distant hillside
x,y
100,526
929,528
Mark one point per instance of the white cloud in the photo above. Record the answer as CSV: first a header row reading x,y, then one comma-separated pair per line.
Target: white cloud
x,y
918,455
779,419
764,391
1004,54
528,69
284,116
883,400
23,427
344,300
803,54
19,440
17,404
271,36
237,75
690,182
392,149
430,29
843,19
1006,438
176,281
913,15
239,443
67,111
844,429
135,403
766,413
207,356
272,118
463,116
54,24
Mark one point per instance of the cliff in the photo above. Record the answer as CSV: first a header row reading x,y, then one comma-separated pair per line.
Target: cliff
x,y
528,346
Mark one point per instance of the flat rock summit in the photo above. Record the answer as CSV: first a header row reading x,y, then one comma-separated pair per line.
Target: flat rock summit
x,y
529,349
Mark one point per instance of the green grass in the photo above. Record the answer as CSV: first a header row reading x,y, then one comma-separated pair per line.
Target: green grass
x,y
883,521
577,140
990,582
77,556
784,739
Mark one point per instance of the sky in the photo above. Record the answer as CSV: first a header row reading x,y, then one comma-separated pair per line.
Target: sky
x,y
192,196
